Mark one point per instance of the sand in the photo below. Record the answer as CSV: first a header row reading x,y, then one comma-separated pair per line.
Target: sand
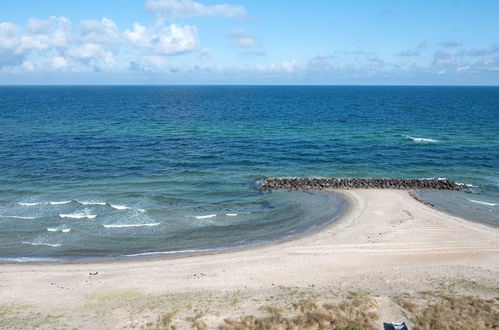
x,y
387,244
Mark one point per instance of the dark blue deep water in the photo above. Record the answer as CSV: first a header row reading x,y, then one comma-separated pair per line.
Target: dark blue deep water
x,y
109,172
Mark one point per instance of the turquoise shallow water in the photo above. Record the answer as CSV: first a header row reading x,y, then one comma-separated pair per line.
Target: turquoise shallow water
x,y
109,172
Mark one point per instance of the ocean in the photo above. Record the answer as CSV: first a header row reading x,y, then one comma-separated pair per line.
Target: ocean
x,y
116,172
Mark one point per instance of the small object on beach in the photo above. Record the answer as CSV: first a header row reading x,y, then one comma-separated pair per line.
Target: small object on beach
x,y
395,326
93,273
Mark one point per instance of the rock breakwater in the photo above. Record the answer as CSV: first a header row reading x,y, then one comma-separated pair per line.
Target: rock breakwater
x,y
357,183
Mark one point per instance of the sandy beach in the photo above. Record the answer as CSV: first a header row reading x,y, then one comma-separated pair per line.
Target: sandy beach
x,y
388,244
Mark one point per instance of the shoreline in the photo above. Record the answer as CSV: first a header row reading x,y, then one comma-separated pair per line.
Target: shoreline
x,y
167,255
413,194
348,199
386,244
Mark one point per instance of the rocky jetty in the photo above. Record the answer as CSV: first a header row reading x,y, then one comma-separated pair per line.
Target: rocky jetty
x,y
334,183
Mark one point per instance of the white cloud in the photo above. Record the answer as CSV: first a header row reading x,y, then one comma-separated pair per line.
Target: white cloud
x,y
464,61
9,55
239,38
95,45
165,40
59,62
39,37
348,64
89,52
488,51
28,66
187,8
44,45
288,66
38,26
103,31
158,62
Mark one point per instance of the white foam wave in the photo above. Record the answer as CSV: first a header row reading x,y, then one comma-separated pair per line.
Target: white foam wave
x,y
42,243
78,216
17,217
484,203
27,259
141,210
466,185
231,214
59,203
29,204
119,207
64,230
132,225
167,252
420,139
91,203
205,216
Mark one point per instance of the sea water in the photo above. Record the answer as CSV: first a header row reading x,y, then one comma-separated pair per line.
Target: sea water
x,y
105,172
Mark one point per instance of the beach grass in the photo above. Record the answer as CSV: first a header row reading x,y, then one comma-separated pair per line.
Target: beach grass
x,y
429,310
346,311
443,311
355,312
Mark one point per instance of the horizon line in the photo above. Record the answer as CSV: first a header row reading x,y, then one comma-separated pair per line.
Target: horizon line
x,y
248,85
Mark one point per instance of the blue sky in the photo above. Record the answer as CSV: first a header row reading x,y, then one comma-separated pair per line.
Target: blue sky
x,y
249,42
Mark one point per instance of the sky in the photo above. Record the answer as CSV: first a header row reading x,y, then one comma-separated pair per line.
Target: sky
x,y
303,42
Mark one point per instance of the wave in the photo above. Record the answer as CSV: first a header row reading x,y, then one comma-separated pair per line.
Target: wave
x,y
168,252
17,217
40,203
119,207
141,210
231,214
484,203
42,243
78,216
64,230
91,203
59,203
28,259
132,225
420,139
29,204
205,216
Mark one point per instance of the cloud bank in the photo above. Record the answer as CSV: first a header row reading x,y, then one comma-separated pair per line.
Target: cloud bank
x,y
168,50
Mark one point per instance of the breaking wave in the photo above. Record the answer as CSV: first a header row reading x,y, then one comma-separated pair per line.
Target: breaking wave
x,y
63,230
17,217
132,225
483,203
119,207
420,139
205,216
42,243
78,216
